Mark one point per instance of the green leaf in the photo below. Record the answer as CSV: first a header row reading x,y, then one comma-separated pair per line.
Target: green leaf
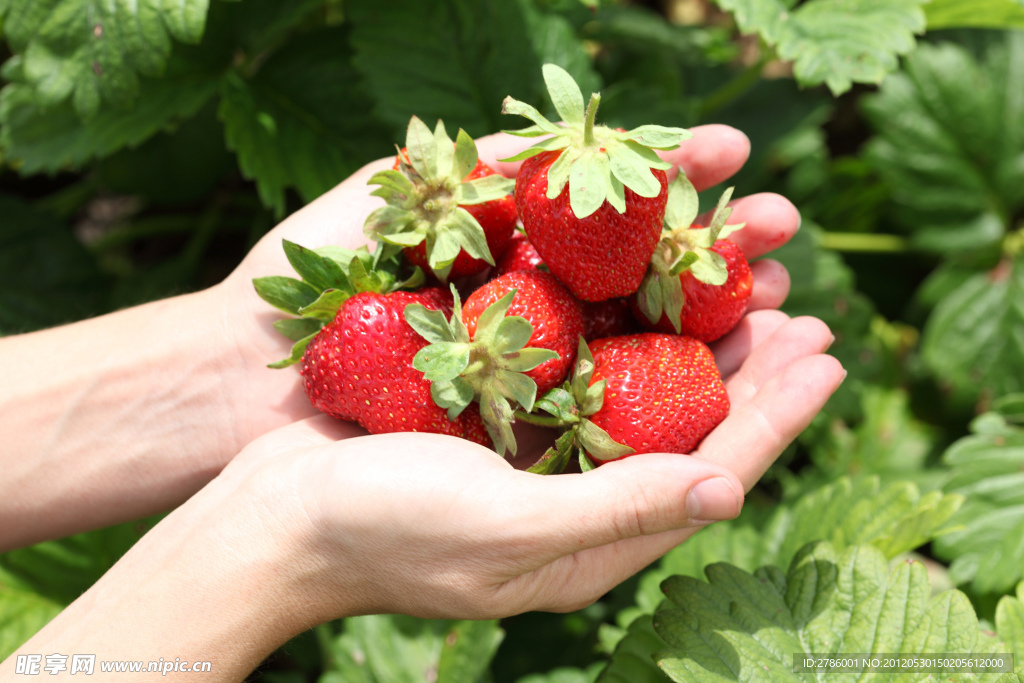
x,y
326,306
599,443
987,547
320,272
973,341
485,189
298,329
466,155
46,276
304,121
429,323
559,403
516,386
588,183
564,675
455,396
400,649
565,94
488,323
683,205
974,13
455,60
442,360
556,458
22,613
1010,620
422,148
50,139
469,234
92,53
741,626
295,355
285,293
836,42
632,170
949,138
710,267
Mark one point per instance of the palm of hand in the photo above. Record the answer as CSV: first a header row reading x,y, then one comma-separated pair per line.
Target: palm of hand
x,y
764,345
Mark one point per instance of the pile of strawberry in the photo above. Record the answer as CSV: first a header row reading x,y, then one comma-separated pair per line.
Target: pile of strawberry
x,y
555,335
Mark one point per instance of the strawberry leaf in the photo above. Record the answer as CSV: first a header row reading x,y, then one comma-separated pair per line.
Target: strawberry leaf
x,y
565,94
298,349
429,324
835,42
326,306
656,137
1000,14
586,464
468,234
1010,620
318,271
988,547
555,459
453,395
511,334
559,403
828,602
442,361
297,329
632,171
683,204
484,189
285,293
597,442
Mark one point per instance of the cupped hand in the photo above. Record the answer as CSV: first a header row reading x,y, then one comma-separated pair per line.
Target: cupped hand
x,y
436,526
266,399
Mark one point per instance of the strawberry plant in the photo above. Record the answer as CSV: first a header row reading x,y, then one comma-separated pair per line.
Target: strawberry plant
x,y
144,150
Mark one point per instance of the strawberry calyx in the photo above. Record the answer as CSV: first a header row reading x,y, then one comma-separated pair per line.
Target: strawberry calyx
x,y
330,276
568,407
425,196
488,367
597,162
684,247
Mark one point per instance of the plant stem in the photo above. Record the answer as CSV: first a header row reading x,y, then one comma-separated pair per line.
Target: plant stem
x,y
540,420
589,117
865,242
735,87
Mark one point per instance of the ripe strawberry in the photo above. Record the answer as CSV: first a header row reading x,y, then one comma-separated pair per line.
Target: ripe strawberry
x,y
611,318
359,368
488,353
699,283
355,346
597,235
519,255
548,306
644,393
450,213
497,217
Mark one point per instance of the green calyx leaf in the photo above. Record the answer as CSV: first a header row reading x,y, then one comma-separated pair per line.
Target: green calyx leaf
x,y
598,443
331,275
425,194
597,162
489,367
555,459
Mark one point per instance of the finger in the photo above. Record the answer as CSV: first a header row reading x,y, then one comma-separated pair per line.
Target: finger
x,y
732,349
714,153
750,439
798,338
575,581
290,440
638,496
771,221
771,285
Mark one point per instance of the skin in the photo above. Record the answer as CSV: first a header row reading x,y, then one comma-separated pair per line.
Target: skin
x,y
285,519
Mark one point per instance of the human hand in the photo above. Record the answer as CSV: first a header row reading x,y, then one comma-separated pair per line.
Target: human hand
x,y
714,153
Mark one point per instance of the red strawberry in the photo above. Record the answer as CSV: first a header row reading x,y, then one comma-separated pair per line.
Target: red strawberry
x,y
516,334
699,283
555,315
359,368
519,255
611,318
644,393
591,198
452,214
355,346
497,217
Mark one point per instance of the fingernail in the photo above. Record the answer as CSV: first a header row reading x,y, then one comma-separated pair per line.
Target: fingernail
x,y
712,499
831,342
845,373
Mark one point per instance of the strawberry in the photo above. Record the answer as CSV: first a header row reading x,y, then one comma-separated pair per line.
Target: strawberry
x,y
611,318
355,347
591,198
644,393
488,353
359,368
449,212
699,283
548,306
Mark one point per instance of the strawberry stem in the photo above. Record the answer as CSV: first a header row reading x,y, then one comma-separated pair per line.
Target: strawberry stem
x,y
590,116
540,420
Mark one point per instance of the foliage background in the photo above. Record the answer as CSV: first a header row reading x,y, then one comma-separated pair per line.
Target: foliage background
x,y
142,154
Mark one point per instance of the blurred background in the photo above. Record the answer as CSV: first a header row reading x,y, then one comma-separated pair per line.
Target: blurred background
x,y
141,155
